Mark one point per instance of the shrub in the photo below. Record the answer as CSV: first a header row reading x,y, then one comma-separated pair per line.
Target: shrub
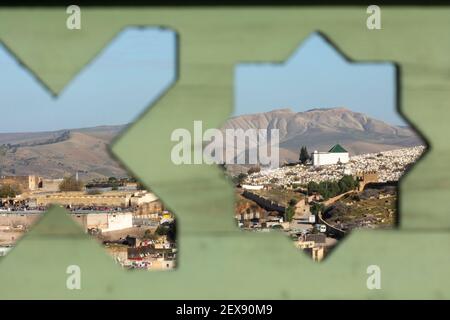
x,y
289,213
239,179
140,186
93,192
149,235
168,230
316,208
329,189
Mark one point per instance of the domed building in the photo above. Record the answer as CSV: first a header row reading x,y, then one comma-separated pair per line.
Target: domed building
x,y
337,154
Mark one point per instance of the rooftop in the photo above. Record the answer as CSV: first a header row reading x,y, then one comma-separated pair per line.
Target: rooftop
x,y
337,148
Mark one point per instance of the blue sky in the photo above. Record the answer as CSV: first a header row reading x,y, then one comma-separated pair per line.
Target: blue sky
x,y
139,65
317,76
114,88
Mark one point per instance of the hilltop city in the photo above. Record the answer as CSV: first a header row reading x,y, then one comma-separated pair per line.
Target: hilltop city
x,y
315,196
322,197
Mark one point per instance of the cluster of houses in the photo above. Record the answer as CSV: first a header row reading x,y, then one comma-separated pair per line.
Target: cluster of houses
x,y
308,235
125,220
141,252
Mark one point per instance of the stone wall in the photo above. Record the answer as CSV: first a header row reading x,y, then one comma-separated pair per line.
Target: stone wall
x,y
106,222
50,185
150,208
82,199
14,219
263,202
365,178
20,181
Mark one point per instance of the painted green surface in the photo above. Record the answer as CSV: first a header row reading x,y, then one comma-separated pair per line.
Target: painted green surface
x,y
337,148
216,259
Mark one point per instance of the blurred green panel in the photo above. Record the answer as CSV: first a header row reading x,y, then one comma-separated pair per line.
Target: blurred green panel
x,y
216,259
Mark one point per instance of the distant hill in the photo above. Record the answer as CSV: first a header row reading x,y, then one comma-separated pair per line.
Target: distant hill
x,y
319,129
58,153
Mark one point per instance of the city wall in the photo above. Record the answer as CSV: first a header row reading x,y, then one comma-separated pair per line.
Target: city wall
x,y
15,219
82,199
104,221
31,183
150,208
50,185
263,202
25,183
380,185
365,178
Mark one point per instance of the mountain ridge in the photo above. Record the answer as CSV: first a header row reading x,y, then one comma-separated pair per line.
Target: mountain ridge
x,y
66,152
321,128
54,154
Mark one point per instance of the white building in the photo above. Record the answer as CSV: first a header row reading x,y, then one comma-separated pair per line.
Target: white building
x,y
4,251
250,187
106,222
337,154
141,197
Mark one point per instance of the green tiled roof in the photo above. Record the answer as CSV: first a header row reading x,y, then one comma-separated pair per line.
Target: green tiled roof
x,y
337,148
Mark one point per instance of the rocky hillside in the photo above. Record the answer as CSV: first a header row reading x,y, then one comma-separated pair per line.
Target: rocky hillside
x,y
319,129
59,153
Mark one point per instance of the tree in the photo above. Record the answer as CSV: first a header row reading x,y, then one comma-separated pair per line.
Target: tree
x,y
114,183
140,186
304,155
312,187
289,213
347,183
70,184
329,189
172,233
316,208
240,178
149,235
167,229
274,180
